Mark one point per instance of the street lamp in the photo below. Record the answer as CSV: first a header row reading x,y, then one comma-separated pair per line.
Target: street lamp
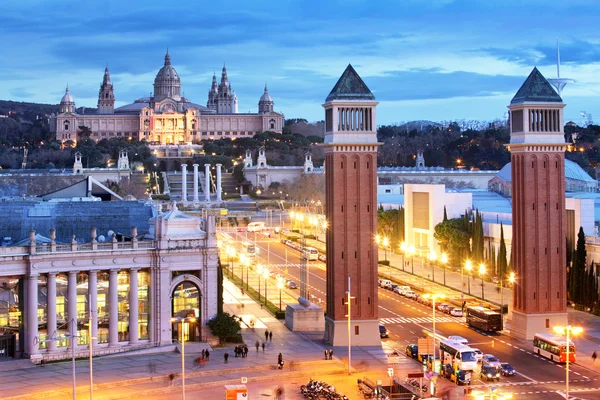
x,y
259,271
348,302
468,267
481,273
432,259
568,331
411,250
280,286
182,320
444,261
266,275
231,253
386,243
511,280
434,297
403,250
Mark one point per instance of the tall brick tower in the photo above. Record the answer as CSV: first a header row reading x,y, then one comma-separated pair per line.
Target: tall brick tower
x,y
351,191
537,147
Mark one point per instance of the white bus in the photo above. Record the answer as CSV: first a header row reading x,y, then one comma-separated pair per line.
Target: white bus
x,y
249,249
310,253
553,347
463,356
256,226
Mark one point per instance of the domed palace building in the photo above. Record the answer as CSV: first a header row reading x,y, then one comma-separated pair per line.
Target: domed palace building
x,y
167,117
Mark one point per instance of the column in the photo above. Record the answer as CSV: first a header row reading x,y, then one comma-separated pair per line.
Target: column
x,y
184,183
133,306
113,303
72,304
207,182
51,328
219,189
195,183
93,306
31,327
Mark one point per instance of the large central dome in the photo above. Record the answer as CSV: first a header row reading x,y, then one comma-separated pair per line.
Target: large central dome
x,y
167,82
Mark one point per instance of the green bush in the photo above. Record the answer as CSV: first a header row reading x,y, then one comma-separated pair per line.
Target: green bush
x,y
164,197
384,262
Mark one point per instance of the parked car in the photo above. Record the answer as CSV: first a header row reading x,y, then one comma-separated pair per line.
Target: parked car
x,y
490,360
410,295
403,289
397,289
291,285
393,287
444,307
383,332
507,369
386,283
489,373
458,339
412,351
456,312
478,353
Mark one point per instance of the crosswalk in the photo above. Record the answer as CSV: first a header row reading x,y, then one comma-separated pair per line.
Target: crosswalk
x,y
422,320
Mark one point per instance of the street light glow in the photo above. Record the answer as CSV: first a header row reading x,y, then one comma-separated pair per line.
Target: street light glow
x,y
444,258
481,269
468,265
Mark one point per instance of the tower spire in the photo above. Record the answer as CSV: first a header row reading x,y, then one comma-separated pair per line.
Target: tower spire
x,y
559,83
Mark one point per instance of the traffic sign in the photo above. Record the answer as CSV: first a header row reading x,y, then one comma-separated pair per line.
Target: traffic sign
x,y
416,375
244,379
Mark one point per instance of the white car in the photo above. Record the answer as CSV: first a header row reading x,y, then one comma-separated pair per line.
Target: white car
x,y
478,353
410,295
456,312
459,339
490,360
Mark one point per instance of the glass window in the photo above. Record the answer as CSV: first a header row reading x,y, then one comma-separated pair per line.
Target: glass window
x,y
102,304
82,308
123,295
143,304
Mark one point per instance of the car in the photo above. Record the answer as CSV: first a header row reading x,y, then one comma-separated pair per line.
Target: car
x,y
410,295
291,285
379,282
458,339
393,287
489,373
397,289
403,289
284,241
386,283
412,351
490,360
456,312
478,353
424,357
507,369
443,307
383,332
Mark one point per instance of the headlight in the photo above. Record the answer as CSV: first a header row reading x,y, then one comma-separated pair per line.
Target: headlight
x,y
489,375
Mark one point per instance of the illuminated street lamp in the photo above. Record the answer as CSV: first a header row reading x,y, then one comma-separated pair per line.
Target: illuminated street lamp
x,y
568,331
182,320
280,286
403,250
259,271
386,243
434,297
444,261
432,259
468,267
511,280
411,250
481,273
266,276
231,254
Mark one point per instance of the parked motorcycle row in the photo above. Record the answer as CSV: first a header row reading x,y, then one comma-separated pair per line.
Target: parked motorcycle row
x,y
320,390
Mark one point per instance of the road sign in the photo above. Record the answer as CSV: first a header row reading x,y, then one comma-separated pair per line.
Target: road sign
x,y
244,379
390,372
416,375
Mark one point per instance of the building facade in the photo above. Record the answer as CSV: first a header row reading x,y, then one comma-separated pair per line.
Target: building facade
x,y
127,286
166,117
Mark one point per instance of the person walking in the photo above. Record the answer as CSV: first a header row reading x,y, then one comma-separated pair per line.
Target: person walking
x,y
280,361
266,335
226,357
270,336
245,351
594,356
331,354
207,354
326,354
171,378
203,353
257,345
263,346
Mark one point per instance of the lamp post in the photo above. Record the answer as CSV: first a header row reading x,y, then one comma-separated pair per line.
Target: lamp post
x,y
511,280
403,250
481,273
259,271
568,331
468,267
434,297
444,261
266,275
386,243
432,259
348,299
378,242
280,286
182,320
411,250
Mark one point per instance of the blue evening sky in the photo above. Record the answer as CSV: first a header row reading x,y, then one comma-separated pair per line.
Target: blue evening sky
x,y
423,59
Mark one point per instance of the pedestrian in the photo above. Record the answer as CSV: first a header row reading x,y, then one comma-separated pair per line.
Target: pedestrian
x,y
207,354
331,354
203,353
171,378
257,345
270,336
263,346
594,356
226,357
326,354
152,367
266,335
280,361
279,392
245,351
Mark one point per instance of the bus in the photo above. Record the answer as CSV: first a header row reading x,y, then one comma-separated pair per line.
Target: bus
x,y
310,253
256,226
249,249
458,354
485,319
553,347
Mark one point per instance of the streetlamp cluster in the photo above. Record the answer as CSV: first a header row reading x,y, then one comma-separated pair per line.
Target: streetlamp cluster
x,y
181,320
408,250
568,331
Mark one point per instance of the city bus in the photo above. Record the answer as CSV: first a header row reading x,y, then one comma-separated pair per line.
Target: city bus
x,y
553,347
249,249
310,253
485,319
256,226
458,354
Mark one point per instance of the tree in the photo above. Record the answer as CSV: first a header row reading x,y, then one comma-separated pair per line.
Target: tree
x,y
445,214
219,288
452,237
224,326
581,256
502,259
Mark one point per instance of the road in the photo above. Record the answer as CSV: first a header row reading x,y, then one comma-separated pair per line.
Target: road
x,y
406,319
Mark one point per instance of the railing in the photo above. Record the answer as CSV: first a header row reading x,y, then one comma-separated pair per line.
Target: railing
x,y
85,247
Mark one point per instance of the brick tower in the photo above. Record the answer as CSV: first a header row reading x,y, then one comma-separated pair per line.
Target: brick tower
x,y
537,147
351,191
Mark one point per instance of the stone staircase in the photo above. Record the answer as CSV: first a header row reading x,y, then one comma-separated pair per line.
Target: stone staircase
x,y
173,184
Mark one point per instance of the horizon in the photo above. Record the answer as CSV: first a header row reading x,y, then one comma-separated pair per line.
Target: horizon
x,y
415,66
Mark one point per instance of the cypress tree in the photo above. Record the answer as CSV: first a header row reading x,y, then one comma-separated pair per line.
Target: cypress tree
x,y
502,267
573,278
445,214
219,288
401,224
581,255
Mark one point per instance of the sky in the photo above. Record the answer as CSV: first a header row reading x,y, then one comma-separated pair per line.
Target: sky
x,y
435,60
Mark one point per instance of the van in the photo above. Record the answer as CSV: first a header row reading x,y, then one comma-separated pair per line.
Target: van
x,y
386,283
310,253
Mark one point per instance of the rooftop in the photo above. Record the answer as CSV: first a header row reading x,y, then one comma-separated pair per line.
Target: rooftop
x,y
350,86
536,89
